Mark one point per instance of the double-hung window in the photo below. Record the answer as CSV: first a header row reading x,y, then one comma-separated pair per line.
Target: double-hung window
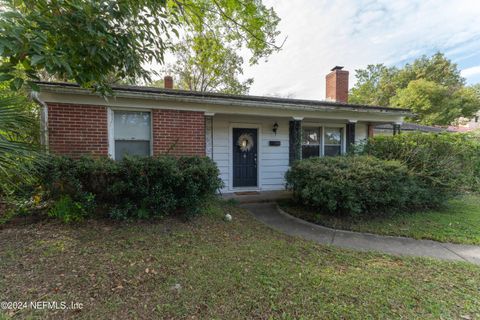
x,y
310,142
321,141
131,133
332,141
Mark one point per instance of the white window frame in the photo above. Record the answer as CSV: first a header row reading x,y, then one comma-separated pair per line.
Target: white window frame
x,y
342,140
320,138
322,127
111,128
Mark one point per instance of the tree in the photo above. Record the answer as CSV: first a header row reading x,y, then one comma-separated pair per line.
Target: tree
x,y
375,85
431,87
18,138
476,88
28,130
204,63
435,103
437,69
90,41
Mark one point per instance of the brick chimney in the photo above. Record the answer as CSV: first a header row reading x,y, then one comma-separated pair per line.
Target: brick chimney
x,y
168,82
337,85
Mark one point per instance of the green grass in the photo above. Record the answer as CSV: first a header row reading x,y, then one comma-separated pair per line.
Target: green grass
x,y
458,222
236,270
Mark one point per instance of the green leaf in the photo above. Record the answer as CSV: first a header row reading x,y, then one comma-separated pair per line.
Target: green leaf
x,y
6,77
33,86
16,84
36,59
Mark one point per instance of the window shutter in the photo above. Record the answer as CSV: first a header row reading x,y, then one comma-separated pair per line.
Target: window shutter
x,y
350,136
295,140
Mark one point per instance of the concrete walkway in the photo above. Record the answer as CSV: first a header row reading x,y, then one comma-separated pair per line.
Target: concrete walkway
x,y
271,215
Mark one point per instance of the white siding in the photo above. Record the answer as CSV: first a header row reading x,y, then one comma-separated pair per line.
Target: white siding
x,y
272,161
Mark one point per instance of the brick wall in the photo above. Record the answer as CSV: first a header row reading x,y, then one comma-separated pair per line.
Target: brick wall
x,y
178,132
76,130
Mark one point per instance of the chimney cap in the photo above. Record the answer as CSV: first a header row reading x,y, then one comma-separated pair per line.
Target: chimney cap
x,y
337,68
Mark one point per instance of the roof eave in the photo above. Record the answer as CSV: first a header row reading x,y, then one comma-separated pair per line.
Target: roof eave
x,y
164,96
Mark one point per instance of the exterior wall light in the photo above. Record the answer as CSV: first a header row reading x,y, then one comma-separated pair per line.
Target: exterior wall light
x,y
275,128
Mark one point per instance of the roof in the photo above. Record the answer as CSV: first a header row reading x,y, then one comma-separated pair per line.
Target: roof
x,y
231,98
413,127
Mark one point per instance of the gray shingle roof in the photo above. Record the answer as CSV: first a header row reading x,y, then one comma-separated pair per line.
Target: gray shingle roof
x,y
248,98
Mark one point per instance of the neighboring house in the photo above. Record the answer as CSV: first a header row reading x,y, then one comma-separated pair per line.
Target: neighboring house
x,y
252,139
388,129
466,125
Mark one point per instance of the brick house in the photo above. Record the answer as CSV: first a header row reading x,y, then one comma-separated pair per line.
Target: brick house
x,y
252,139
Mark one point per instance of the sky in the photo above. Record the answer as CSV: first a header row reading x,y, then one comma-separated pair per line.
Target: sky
x,y
323,34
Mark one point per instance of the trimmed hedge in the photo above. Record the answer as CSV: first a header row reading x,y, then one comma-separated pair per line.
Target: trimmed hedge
x,y
446,163
131,188
355,185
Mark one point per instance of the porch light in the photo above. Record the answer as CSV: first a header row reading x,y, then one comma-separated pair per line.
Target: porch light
x,y
275,128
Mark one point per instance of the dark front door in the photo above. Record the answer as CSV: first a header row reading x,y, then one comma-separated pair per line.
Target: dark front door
x,y
245,157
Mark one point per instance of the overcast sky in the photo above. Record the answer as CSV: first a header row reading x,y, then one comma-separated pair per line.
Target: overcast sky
x,y
355,33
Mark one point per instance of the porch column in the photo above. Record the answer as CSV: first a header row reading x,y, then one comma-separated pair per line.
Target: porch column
x,y
396,128
209,134
295,140
350,134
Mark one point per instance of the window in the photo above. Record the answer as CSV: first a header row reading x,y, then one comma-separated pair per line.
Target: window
x,y
131,132
321,141
333,141
310,142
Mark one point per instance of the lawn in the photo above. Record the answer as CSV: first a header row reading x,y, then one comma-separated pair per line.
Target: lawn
x,y
458,222
208,268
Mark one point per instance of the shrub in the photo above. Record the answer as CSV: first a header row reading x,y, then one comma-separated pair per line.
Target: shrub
x,y
133,187
354,185
69,210
446,163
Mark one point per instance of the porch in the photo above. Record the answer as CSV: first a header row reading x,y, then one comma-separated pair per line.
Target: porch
x,y
253,152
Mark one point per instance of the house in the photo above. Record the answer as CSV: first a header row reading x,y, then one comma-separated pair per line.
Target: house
x,y
252,139
466,125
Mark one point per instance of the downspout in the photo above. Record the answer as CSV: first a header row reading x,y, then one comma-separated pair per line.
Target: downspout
x,y
43,119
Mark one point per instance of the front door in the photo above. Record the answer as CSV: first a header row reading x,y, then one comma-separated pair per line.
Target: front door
x,y
245,148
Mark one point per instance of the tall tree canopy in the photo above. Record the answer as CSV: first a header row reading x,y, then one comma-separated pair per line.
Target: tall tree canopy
x,y
476,87
431,87
90,42
204,63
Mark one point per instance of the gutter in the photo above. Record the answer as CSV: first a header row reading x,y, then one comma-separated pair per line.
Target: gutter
x,y
43,118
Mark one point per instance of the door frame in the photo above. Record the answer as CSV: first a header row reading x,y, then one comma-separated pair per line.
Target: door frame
x,y
237,125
